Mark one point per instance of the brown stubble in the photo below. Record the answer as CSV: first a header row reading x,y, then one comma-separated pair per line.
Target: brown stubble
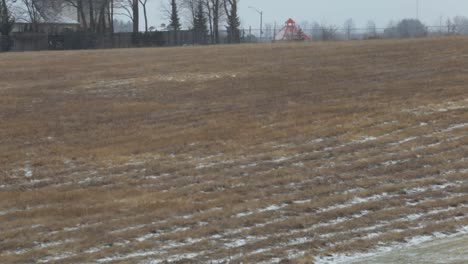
x,y
125,143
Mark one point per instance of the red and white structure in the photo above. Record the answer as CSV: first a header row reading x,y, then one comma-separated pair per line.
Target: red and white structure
x,y
291,32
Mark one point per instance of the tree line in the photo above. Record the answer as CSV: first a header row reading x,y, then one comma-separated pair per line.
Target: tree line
x,y
205,16
405,28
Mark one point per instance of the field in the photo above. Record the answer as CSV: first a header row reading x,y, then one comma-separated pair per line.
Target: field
x,y
247,153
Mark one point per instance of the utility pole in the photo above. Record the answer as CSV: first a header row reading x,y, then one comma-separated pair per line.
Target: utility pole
x,y
261,20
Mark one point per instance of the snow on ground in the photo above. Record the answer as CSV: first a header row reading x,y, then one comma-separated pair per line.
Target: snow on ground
x,y
403,141
455,126
273,207
438,248
366,139
55,258
28,171
357,200
231,243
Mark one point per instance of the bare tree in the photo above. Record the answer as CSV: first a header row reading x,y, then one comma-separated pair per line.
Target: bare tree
x,y
39,11
316,31
461,25
127,8
305,25
349,27
189,9
124,8
98,15
31,12
391,30
215,13
230,7
78,4
440,28
6,18
103,16
110,16
371,29
122,26
328,32
136,16
130,9
6,25
450,27
94,15
143,4
209,13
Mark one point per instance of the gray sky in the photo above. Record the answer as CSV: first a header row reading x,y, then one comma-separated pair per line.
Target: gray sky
x,y
335,11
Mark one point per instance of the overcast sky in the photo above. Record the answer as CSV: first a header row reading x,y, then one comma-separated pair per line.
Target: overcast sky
x,y
335,11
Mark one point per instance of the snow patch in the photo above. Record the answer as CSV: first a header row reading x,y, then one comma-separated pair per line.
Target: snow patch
x,y
302,201
28,171
415,241
356,200
455,126
280,159
403,141
273,207
61,256
244,214
366,139
236,243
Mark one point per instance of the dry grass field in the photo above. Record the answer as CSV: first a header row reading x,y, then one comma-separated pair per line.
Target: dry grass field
x,y
248,153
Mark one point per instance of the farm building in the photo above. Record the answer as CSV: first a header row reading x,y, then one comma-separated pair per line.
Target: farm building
x,y
54,17
44,18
